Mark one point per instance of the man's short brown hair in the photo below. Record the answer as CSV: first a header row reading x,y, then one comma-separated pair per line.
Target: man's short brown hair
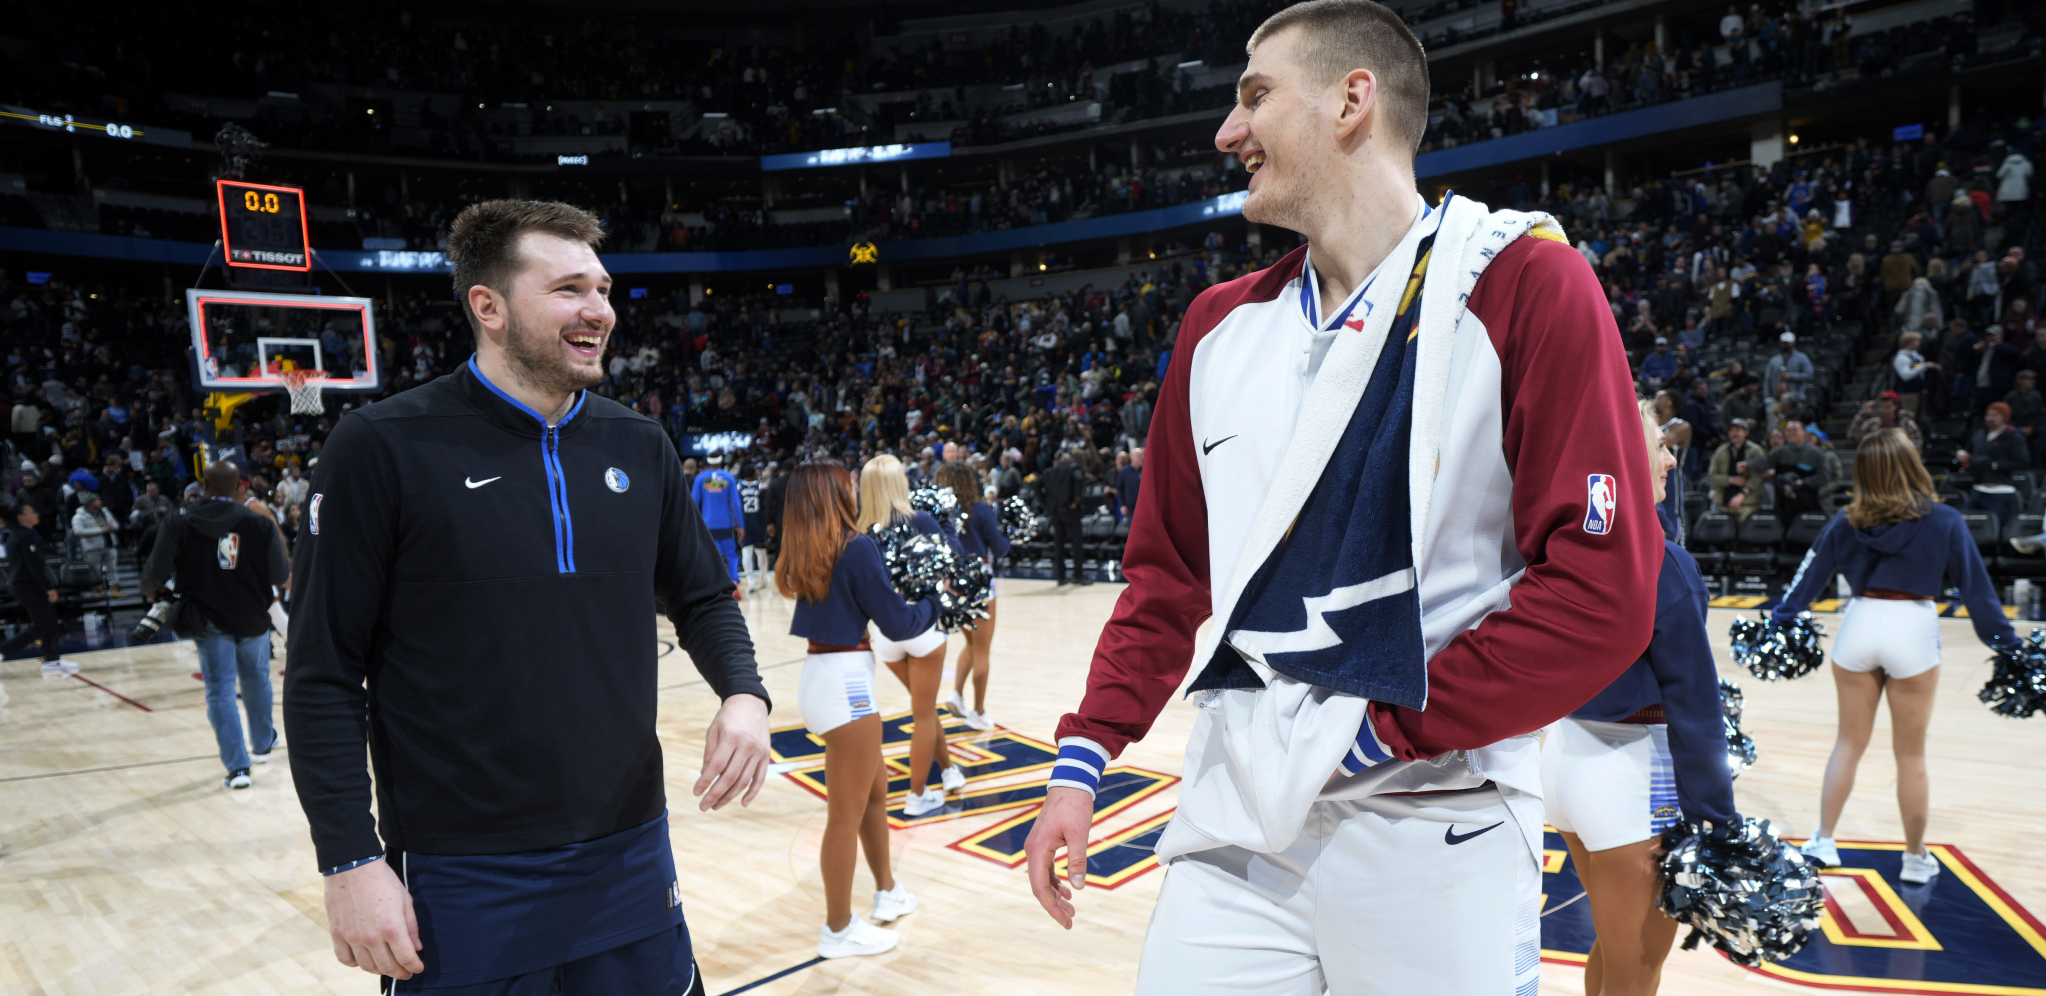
x,y
1341,35
483,243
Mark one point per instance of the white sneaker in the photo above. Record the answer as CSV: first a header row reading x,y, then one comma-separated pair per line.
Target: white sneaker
x,y
977,721
953,779
932,800
858,938
1918,868
264,757
236,779
1821,850
2028,544
955,703
893,904
59,669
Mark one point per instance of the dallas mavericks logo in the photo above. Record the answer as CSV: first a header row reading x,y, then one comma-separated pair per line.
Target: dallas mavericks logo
x,y
1598,504
616,480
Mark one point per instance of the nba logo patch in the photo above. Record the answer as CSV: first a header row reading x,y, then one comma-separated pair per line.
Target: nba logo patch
x,y
1600,493
313,515
229,551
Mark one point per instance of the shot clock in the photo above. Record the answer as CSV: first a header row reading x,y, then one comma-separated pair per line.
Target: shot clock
x,y
263,227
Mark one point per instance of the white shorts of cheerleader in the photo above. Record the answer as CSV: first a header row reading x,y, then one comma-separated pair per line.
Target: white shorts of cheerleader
x,y
1611,784
835,689
921,645
1397,894
1901,637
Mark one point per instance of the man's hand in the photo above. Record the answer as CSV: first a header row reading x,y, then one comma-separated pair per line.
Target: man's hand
x,y
369,916
1067,815
739,535
734,753
53,596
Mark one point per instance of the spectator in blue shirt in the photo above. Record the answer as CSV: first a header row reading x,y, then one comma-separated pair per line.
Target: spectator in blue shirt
x,y
1659,366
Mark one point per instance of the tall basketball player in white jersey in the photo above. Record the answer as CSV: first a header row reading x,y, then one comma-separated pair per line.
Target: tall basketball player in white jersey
x,y
1401,468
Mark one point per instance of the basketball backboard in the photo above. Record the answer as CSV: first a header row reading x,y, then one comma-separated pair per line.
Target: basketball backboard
x,y
246,341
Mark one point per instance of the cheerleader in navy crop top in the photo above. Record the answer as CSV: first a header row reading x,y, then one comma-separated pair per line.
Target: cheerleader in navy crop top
x,y
1898,547
981,538
1644,753
840,584
918,661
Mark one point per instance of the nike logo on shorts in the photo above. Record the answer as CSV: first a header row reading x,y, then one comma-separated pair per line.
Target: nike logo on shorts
x,y
473,485
1207,448
1450,836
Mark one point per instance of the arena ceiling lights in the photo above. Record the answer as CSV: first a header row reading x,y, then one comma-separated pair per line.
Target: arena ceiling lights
x,y
857,156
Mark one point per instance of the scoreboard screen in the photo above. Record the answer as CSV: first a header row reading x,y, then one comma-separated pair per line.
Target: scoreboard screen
x,y
263,227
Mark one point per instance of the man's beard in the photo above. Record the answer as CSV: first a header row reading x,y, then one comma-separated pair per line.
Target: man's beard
x,y
1276,207
535,360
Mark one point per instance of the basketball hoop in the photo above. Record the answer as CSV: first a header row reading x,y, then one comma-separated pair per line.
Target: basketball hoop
x,y
304,388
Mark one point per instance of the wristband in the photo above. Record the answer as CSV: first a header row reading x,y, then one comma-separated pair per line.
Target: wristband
x,y
1079,765
357,863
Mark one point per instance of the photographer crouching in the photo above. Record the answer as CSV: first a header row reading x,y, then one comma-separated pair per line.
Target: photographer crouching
x,y
225,559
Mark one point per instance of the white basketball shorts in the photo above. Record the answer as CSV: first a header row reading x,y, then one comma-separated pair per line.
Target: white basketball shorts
x,y
1430,894
1611,784
890,651
835,689
1898,636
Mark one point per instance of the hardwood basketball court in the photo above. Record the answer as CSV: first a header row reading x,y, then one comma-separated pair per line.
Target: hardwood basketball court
x,y
128,869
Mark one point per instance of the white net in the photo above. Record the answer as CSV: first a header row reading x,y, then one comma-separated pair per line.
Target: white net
x,y
304,388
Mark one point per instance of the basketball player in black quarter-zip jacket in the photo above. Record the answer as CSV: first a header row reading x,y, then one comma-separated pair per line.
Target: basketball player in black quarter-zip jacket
x,y
481,566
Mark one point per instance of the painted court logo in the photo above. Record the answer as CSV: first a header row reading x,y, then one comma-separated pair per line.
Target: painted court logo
x,y
1600,490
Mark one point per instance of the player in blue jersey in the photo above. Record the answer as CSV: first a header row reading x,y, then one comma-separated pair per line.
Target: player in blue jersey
x,y
717,493
839,582
753,532
1646,752
920,660
982,538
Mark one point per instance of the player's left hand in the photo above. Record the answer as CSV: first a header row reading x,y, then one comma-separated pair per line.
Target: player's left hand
x,y
734,754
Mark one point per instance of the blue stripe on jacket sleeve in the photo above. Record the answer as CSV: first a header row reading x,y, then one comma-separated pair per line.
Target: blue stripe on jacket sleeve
x,y
1079,765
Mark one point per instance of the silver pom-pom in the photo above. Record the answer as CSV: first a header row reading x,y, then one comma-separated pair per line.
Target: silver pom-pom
x,y
2017,685
1019,521
922,565
966,603
1740,748
1745,892
942,505
1779,652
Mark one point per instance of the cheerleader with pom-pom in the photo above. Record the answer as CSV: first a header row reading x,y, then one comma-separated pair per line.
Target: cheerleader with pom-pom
x,y
920,660
981,538
1894,543
1646,752
840,584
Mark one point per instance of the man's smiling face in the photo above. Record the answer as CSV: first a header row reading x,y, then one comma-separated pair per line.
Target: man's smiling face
x,y
560,314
